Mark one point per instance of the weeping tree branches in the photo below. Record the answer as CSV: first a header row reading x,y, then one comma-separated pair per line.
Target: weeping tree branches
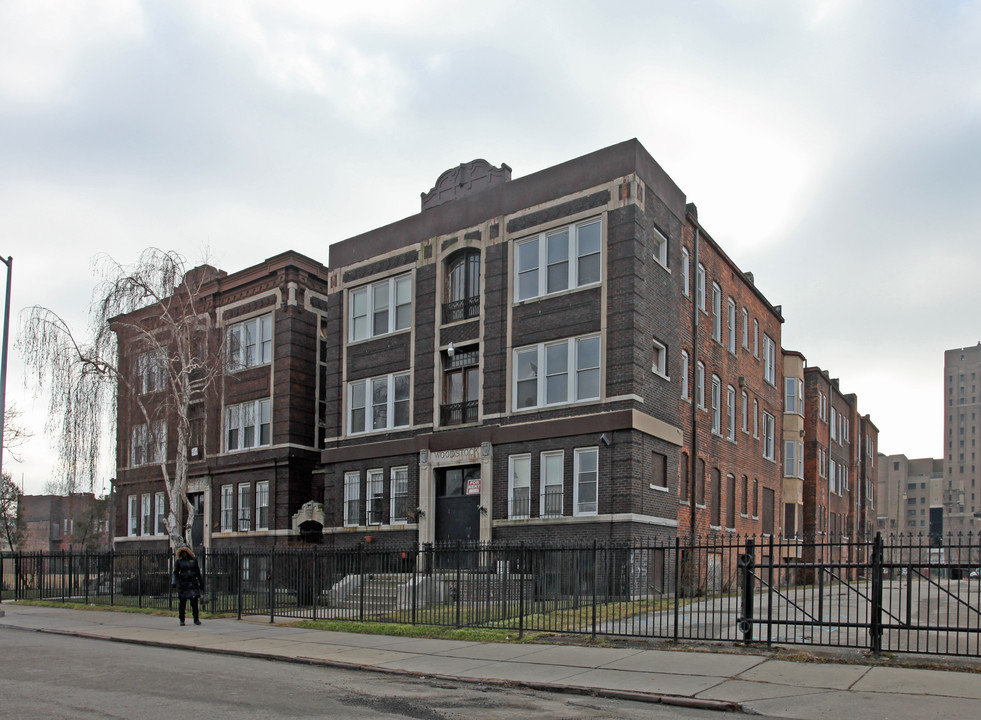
x,y
151,352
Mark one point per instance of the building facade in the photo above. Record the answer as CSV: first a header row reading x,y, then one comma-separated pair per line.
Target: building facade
x,y
564,357
911,496
55,523
962,434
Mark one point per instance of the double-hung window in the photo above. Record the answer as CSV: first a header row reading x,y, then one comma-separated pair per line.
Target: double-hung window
x,y
745,329
151,371
716,313
375,497
552,483
227,508
247,425
732,325
352,498
250,342
700,385
700,286
557,373
793,459
146,518
558,260
159,526
769,360
380,308
133,519
660,244
716,405
586,473
376,404
262,505
685,271
244,507
731,410
745,423
519,486
684,374
793,396
149,443
768,430
399,512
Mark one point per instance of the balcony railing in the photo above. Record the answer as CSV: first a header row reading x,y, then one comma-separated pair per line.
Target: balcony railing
x,y
461,309
458,413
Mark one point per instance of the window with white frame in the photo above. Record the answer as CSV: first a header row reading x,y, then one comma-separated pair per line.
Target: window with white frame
x,y
756,338
700,384
151,371
745,418
659,358
399,512
227,508
558,260
793,396
660,244
133,519
716,313
380,403
149,443
685,272
700,286
756,418
793,459
822,463
262,505
832,477
769,360
716,405
684,374
586,488
244,507
247,425
823,407
380,308
768,430
557,373
250,342
519,486
146,515
745,329
731,413
375,497
732,325
551,483
352,498
159,508
834,424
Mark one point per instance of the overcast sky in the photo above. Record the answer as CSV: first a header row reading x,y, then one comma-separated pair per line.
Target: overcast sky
x,y
833,148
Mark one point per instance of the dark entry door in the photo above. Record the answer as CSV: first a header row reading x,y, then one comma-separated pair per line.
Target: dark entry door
x,y
197,525
458,505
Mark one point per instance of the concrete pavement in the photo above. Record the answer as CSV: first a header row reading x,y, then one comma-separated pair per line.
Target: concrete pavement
x,y
746,681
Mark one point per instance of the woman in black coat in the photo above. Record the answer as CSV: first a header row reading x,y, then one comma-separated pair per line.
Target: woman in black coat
x,y
188,581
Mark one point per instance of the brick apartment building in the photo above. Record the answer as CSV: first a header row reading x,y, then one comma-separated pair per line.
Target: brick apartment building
x,y
840,462
561,357
55,523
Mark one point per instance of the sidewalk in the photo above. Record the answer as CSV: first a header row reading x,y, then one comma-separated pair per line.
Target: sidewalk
x,y
749,682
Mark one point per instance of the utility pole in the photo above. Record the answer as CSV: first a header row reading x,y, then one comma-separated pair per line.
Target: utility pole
x,y
9,262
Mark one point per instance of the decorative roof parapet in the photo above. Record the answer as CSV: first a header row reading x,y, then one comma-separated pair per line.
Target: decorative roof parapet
x,y
465,179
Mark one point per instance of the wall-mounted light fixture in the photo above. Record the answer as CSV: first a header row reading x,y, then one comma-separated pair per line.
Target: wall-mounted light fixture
x,y
606,440
419,512
482,509
450,351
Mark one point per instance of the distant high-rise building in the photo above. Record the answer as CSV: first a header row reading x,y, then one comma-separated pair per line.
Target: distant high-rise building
x,y
962,433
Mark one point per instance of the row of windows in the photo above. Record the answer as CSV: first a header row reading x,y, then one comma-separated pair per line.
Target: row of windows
x,y
374,500
763,418
243,520
551,484
145,518
746,497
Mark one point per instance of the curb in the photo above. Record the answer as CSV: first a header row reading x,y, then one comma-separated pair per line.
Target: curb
x,y
652,698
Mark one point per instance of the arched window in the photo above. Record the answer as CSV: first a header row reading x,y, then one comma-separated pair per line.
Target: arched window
x,y
462,286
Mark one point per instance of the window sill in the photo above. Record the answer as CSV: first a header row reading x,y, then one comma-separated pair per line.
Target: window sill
x,y
660,374
556,406
659,488
560,293
234,370
375,433
403,331
662,263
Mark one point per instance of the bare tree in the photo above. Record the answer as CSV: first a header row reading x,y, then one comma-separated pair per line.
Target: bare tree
x,y
11,517
172,354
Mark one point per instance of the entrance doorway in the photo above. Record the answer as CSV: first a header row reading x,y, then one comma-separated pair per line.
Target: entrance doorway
x,y
458,505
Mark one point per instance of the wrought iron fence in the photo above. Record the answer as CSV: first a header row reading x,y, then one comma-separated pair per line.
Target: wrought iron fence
x,y
904,594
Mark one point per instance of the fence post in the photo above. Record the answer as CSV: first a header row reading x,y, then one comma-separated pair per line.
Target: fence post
x,y
64,579
272,585
139,579
362,581
747,566
316,579
459,583
677,586
238,578
521,591
875,630
595,572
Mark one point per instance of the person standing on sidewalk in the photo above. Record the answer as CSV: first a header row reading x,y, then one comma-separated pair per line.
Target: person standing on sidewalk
x,y
188,581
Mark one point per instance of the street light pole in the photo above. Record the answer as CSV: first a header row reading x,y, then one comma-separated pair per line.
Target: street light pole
x,y
9,262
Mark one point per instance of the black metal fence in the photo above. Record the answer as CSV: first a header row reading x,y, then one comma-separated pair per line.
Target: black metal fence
x,y
904,594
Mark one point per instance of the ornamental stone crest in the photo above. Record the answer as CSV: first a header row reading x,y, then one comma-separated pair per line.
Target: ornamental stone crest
x,y
465,179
